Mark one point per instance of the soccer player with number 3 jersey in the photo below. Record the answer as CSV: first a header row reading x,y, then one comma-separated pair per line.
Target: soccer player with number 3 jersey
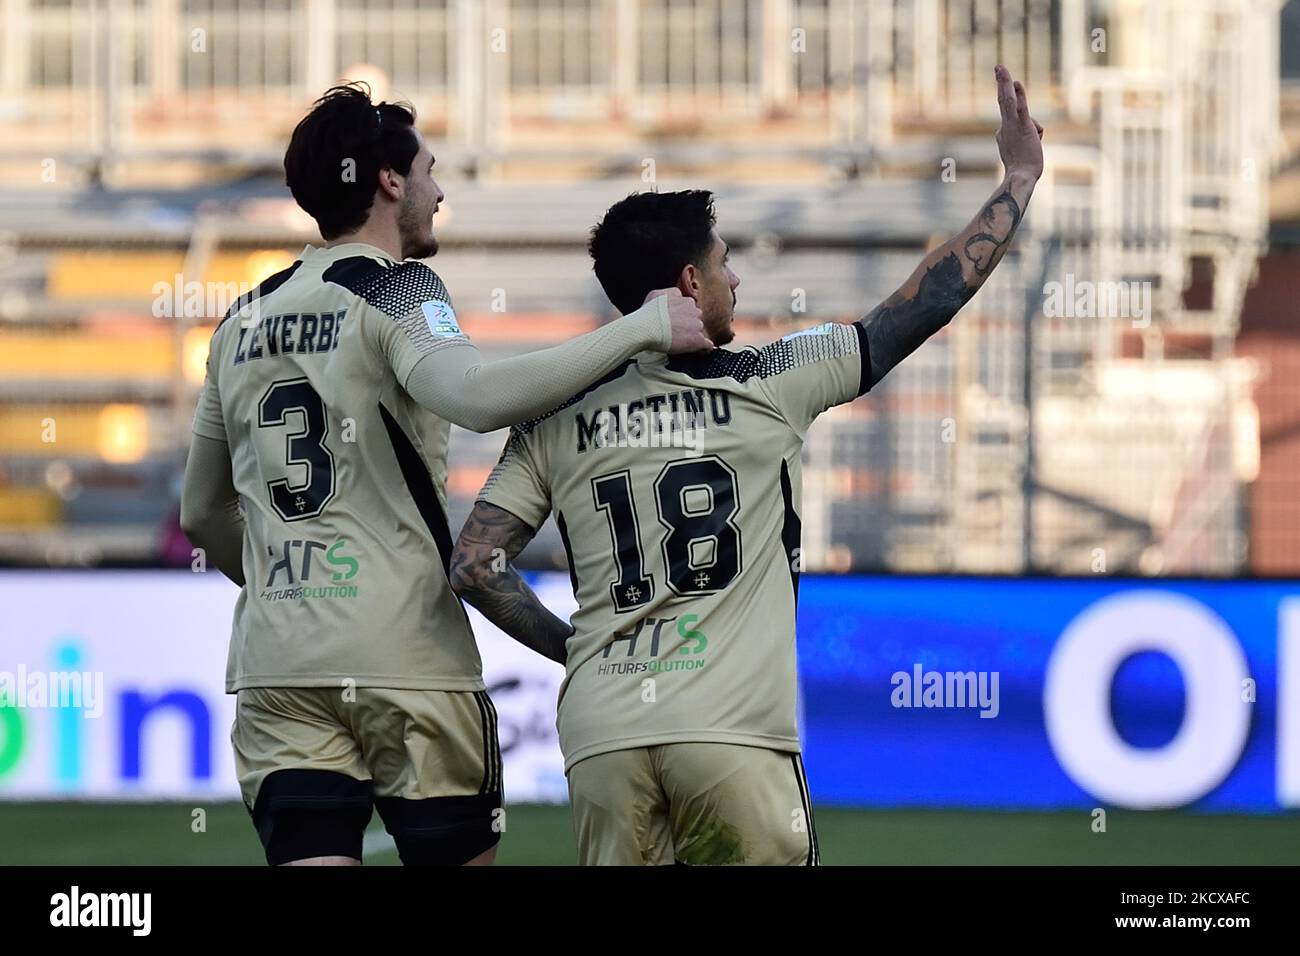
x,y
316,482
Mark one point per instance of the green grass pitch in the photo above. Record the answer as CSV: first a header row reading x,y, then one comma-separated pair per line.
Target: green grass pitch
x,y
164,833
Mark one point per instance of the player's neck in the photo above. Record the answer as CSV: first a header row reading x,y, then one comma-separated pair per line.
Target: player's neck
x,y
383,236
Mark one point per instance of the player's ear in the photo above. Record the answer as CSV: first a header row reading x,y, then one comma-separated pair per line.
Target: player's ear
x,y
390,183
688,281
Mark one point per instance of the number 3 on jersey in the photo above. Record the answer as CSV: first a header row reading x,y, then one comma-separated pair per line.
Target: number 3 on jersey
x,y
305,447
697,500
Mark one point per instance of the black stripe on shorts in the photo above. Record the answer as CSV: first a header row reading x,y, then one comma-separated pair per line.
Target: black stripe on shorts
x,y
491,744
814,852
485,724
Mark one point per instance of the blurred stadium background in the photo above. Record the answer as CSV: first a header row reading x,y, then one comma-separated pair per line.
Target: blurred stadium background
x,y
1033,462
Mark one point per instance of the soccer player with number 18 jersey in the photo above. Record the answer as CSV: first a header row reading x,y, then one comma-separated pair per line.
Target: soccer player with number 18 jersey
x,y
676,483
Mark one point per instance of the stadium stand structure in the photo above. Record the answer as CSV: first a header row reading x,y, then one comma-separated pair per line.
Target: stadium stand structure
x,y
142,139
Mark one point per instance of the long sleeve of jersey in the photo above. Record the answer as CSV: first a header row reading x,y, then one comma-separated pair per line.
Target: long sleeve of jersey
x,y
444,372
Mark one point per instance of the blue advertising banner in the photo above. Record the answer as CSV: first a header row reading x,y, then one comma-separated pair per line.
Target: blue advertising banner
x,y
1042,693
924,692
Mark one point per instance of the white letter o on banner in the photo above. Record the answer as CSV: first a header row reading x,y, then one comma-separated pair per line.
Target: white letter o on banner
x,y
1076,700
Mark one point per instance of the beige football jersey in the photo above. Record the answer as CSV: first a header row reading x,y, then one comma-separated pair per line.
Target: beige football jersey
x,y
341,477
675,484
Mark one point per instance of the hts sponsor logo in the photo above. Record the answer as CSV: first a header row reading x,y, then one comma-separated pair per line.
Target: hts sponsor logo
x,y
946,689
301,557
678,657
74,908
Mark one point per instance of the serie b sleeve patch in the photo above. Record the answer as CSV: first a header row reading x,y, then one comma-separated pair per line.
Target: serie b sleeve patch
x,y
441,319
824,329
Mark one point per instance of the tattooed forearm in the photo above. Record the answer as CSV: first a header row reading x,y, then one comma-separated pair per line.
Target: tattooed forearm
x,y
997,221
897,327
944,281
493,530
482,574
507,601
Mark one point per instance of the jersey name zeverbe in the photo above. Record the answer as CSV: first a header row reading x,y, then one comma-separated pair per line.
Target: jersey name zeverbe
x,y
292,333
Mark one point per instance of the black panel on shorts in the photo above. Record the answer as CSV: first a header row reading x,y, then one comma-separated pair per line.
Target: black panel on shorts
x,y
442,831
300,814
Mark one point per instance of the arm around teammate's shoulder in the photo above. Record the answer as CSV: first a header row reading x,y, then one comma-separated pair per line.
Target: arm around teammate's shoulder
x,y
456,384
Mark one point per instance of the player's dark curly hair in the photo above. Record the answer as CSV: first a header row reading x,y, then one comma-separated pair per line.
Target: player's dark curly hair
x,y
345,125
645,240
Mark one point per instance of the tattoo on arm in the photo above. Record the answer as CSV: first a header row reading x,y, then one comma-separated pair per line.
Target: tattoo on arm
x,y
998,221
482,573
898,326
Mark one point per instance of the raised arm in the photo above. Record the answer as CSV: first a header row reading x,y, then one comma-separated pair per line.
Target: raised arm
x,y
483,574
948,277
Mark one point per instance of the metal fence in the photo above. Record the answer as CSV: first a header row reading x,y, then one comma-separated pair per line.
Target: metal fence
x,y
490,68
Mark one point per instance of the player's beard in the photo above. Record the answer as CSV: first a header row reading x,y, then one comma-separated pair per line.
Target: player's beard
x,y
416,232
722,331
723,336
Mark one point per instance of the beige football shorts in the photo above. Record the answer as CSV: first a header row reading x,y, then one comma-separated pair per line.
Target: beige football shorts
x,y
703,804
